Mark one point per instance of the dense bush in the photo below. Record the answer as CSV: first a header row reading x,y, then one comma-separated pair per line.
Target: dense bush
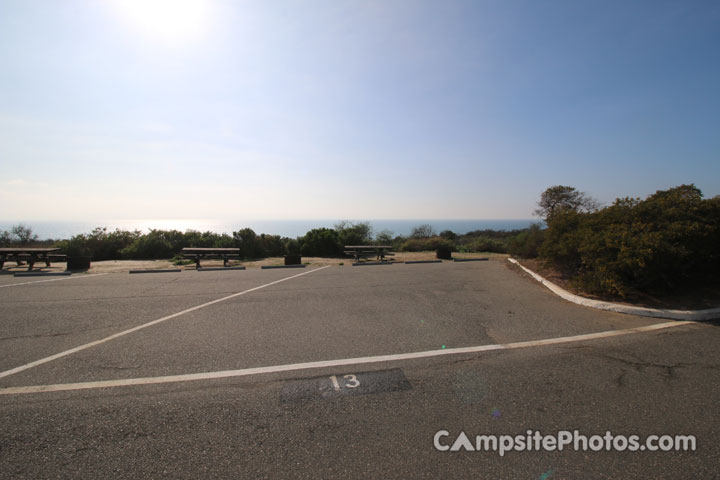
x,y
425,244
156,244
272,245
122,244
354,233
292,247
249,243
670,238
384,238
501,235
448,235
103,245
320,242
194,238
99,244
527,243
485,244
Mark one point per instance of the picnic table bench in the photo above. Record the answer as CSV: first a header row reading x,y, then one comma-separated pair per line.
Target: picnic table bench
x,y
223,254
366,251
29,255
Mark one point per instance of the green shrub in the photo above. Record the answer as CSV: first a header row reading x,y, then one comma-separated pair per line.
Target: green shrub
x,y
448,235
669,239
196,239
292,247
77,246
384,238
99,244
485,244
527,244
350,233
249,244
320,242
179,260
154,245
426,244
272,245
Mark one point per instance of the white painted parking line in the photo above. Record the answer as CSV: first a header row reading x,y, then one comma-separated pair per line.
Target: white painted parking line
x,y
144,325
53,280
329,363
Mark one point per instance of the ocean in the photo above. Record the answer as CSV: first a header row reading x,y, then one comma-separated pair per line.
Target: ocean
x,y
285,228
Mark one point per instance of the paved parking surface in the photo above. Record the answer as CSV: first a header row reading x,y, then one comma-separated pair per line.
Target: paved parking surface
x,y
355,419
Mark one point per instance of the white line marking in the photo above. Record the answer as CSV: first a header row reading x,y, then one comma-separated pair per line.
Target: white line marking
x,y
329,363
53,280
144,325
697,315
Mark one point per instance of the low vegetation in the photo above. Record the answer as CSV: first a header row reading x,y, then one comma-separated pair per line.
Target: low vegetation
x,y
101,244
670,239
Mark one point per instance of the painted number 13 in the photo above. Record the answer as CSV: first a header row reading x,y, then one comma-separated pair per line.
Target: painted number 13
x,y
351,381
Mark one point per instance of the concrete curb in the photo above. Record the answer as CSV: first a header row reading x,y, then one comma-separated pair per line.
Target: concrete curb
x,y
265,267
218,269
42,274
166,270
485,259
409,262
707,314
360,264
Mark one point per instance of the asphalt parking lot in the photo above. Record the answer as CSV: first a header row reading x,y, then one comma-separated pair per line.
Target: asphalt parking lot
x,y
338,372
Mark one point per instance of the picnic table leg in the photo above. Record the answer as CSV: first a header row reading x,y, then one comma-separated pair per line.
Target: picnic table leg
x,y
225,260
31,262
197,262
2,261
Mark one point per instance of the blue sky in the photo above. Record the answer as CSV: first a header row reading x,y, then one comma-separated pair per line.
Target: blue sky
x,y
349,109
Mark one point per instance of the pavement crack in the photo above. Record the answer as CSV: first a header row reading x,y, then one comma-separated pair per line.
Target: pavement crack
x,y
112,367
641,364
37,335
620,380
668,371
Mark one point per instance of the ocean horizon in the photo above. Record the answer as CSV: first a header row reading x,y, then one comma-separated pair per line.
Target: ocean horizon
x,y
286,228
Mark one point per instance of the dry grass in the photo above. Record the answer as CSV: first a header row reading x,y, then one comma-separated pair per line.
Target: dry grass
x,y
121,266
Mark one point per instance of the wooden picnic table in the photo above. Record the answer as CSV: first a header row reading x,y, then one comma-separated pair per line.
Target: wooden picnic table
x,y
27,254
206,253
358,251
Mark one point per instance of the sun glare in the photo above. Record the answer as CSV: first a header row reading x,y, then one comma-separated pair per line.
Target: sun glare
x,y
170,20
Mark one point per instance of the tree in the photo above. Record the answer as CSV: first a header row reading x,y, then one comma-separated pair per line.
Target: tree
x,y
272,245
448,235
320,242
423,231
527,244
247,241
562,198
351,233
384,238
23,233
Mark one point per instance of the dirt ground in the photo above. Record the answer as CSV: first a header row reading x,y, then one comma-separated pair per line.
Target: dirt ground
x,y
121,266
697,297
